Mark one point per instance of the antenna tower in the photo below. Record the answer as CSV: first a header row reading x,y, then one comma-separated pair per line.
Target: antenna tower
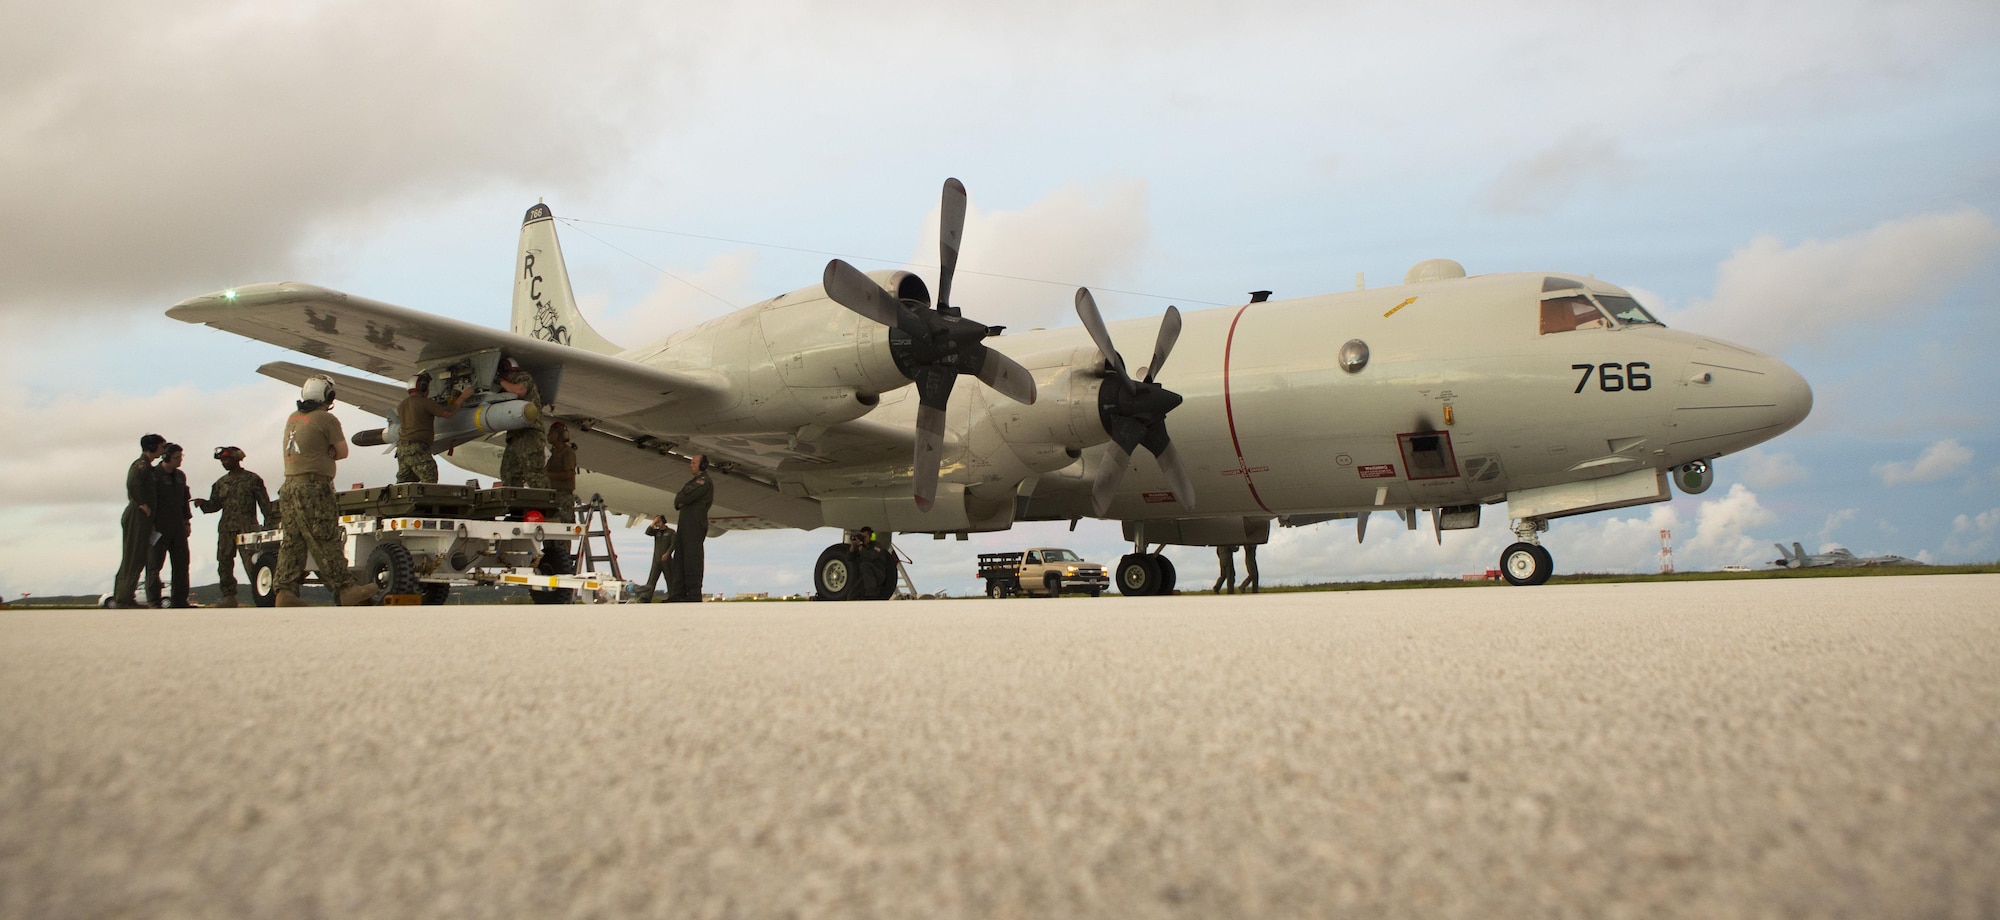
x,y
1666,552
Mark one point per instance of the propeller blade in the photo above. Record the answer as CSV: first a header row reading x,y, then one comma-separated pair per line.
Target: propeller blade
x,y
951,226
1156,440
933,395
856,291
1170,332
929,455
1116,459
1086,310
1007,376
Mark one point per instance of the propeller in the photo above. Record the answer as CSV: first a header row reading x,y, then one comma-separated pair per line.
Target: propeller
x,y
1134,412
933,347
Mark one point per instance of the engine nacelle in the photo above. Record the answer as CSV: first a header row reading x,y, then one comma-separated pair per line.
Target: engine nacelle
x,y
814,342
1065,410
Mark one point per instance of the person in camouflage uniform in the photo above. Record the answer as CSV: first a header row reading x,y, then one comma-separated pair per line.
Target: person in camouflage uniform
x,y
524,463
313,443
561,472
419,414
240,496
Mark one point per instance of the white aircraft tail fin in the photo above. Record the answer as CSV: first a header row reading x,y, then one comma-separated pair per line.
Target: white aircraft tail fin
x,y
1801,551
544,307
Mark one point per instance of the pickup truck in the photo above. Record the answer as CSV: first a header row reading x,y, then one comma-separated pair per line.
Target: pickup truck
x,y
1045,570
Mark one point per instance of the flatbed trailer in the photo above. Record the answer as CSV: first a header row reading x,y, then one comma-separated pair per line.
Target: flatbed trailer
x,y
422,554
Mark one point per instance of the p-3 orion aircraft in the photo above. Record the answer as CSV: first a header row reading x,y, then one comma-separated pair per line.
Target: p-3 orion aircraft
x,y
1557,394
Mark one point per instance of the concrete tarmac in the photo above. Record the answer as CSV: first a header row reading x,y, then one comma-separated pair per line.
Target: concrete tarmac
x,y
1793,748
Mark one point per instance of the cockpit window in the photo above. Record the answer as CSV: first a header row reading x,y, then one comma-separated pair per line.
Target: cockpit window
x,y
1565,312
1627,310
1553,283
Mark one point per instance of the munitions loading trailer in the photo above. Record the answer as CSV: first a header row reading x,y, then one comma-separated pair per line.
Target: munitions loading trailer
x,y
419,539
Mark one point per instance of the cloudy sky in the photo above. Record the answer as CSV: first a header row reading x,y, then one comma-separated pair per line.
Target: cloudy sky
x,y
1814,179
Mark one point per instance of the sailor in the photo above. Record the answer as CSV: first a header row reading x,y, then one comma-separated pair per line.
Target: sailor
x,y
240,496
313,443
523,463
692,501
663,550
137,523
561,471
871,564
1225,559
419,414
172,522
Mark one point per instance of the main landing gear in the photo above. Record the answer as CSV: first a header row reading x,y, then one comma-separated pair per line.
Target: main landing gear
x,y
1144,574
1526,562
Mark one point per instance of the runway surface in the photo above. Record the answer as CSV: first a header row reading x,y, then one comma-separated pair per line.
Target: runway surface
x,y
1823,748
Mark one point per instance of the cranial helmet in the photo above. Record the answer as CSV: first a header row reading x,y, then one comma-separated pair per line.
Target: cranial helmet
x,y
317,388
222,452
420,381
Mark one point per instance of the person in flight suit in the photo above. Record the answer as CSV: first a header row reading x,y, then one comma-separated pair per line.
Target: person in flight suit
x,y
137,523
240,496
419,414
1250,568
1225,558
173,520
692,501
523,464
313,444
561,471
663,550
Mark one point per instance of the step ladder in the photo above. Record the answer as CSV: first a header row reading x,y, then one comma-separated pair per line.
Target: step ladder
x,y
597,525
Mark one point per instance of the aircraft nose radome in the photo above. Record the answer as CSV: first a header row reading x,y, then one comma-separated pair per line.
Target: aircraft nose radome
x,y
1792,397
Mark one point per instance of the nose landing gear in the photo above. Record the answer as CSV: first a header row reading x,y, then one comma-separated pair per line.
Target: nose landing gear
x,y
1526,562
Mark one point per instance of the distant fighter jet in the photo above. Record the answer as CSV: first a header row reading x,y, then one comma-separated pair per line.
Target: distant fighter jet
x,y
1798,558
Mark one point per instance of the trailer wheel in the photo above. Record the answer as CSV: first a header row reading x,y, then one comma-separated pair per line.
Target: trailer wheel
x,y
436,593
556,560
391,569
264,578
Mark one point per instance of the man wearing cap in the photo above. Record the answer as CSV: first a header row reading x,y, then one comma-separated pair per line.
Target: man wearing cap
x,y
137,522
523,463
313,443
240,496
419,414
663,553
692,501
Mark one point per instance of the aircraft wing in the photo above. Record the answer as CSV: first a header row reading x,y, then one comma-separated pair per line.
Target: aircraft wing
x,y
373,395
744,502
392,341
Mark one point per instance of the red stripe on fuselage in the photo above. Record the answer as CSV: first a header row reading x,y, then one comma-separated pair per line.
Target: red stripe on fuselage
x,y
1229,412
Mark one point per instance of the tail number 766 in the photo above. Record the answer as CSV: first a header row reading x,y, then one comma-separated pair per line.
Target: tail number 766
x,y
1613,377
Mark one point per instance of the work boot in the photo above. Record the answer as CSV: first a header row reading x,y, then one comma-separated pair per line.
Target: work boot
x,y
228,600
358,595
288,598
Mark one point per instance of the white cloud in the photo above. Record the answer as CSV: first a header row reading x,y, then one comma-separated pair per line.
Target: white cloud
x,y
1077,235
682,299
1974,537
1771,296
1938,461
1835,520
1766,470
1544,181
1722,529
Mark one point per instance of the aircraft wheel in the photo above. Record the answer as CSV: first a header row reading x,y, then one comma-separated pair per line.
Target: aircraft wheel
x,y
834,575
1526,564
1139,575
391,569
1166,573
264,578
